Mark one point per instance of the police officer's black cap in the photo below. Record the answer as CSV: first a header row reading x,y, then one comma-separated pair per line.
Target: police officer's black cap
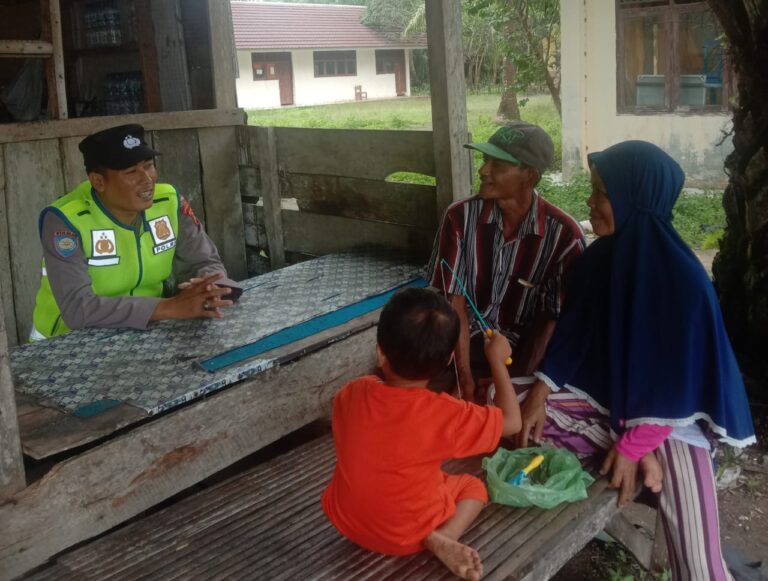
x,y
116,148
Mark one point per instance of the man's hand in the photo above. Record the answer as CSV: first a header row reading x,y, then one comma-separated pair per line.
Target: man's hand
x,y
199,297
534,414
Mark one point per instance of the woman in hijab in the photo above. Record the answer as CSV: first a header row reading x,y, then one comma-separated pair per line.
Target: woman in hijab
x,y
640,360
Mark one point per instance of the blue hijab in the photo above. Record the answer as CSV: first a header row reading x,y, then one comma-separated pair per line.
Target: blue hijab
x,y
641,333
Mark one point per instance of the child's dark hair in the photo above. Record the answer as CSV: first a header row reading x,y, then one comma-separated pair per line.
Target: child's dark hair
x,y
418,330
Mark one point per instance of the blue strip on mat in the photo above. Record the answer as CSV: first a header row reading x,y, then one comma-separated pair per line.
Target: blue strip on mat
x,y
94,408
305,329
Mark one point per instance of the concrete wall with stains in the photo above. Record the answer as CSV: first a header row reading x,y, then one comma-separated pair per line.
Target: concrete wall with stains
x,y
590,118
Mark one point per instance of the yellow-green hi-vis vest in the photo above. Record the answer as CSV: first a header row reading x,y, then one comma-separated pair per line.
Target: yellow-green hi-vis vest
x,y
121,261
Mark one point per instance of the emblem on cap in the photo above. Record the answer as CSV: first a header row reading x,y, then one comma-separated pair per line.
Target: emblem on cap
x,y
130,142
510,134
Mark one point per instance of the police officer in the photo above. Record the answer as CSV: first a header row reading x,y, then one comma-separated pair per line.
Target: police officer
x,y
111,243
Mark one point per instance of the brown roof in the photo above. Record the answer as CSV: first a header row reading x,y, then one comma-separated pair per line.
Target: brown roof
x,y
274,25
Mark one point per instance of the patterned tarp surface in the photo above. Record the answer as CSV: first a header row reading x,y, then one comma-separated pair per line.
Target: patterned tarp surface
x,y
157,369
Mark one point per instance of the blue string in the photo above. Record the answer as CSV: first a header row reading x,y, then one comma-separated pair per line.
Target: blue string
x,y
466,294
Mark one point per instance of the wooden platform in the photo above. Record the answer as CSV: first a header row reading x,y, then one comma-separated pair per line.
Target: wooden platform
x,y
267,523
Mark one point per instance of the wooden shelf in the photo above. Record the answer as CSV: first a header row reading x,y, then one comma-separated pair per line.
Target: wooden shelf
x,y
102,50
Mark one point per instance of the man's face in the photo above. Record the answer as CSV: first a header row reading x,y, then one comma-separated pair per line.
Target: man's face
x,y
501,180
127,190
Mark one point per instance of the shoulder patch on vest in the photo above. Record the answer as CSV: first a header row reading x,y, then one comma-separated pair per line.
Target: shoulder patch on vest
x,y
163,199
186,209
65,242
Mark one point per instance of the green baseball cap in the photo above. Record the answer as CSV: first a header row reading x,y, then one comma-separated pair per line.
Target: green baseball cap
x,y
519,143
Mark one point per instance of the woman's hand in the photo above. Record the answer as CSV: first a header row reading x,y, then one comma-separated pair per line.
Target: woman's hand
x,y
624,474
534,415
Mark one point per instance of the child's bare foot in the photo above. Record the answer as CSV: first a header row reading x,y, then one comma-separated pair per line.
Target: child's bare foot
x,y
461,559
651,471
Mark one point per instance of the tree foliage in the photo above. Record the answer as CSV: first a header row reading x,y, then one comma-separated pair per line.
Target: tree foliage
x,y
528,33
741,267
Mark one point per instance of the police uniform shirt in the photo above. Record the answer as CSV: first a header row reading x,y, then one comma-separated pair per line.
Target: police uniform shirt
x,y
81,307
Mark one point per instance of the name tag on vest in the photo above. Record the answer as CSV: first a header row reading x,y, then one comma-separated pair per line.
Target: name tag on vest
x,y
162,234
163,247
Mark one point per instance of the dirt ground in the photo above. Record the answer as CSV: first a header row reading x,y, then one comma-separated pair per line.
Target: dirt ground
x,y
743,498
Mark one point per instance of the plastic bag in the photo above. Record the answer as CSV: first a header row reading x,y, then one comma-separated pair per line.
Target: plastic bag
x,y
560,478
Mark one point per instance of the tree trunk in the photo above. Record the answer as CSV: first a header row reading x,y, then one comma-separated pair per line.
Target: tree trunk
x,y
535,47
741,266
508,108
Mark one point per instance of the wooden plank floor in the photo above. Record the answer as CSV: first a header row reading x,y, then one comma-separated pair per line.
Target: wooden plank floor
x,y
267,523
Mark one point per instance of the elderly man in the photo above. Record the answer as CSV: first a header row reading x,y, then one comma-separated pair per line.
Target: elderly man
x,y
110,245
510,249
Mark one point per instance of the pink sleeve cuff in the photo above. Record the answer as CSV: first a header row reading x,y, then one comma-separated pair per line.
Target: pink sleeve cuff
x,y
638,441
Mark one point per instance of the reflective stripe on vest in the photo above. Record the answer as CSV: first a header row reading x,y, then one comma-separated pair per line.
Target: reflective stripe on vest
x,y
121,261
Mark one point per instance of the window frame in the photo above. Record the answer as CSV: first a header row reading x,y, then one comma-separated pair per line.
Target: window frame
x,y
325,57
388,56
263,59
669,13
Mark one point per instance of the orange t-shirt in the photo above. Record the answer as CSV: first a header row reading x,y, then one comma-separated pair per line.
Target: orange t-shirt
x,y
388,491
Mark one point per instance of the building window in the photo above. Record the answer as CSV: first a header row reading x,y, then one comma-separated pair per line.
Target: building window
x,y
385,61
264,66
670,57
335,63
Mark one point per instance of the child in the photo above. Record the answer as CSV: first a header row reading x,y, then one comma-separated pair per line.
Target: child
x,y
388,493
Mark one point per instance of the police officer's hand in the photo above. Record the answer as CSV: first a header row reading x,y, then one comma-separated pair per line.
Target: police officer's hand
x,y
200,297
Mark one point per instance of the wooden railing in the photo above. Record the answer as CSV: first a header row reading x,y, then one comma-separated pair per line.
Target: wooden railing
x,y
315,191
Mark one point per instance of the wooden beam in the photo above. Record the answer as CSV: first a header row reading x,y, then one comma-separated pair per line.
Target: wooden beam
x,y
57,90
171,55
221,195
6,280
145,32
316,235
449,102
222,54
12,477
34,179
25,49
37,130
270,191
369,154
91,493
621,529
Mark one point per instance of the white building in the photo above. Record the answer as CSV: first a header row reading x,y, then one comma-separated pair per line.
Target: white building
x,y
308,54
646,69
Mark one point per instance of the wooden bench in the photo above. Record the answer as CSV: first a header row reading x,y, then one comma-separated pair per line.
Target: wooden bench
x,y
267,523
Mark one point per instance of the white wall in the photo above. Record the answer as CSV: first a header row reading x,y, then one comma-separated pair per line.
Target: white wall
x,y
308,90
590,118
254,94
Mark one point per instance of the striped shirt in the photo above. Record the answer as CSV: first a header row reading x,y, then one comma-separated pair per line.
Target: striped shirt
x,y
511,282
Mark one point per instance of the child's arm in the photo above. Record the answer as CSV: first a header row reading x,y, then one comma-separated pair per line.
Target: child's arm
x,y
497,350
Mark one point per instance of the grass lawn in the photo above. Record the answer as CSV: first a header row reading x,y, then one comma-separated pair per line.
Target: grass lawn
x,y
699,218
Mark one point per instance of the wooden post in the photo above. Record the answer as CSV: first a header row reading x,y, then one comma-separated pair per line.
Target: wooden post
x,y
573,27
171,56
57,62
11,463
449,103
270,194
222,54
145,32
